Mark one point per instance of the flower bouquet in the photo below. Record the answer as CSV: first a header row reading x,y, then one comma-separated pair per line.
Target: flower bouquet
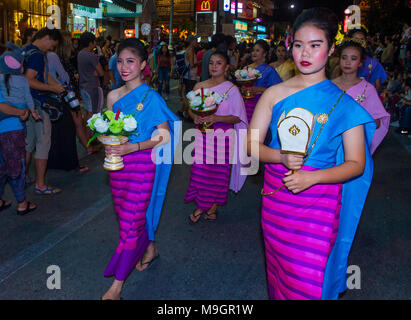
x,y
112,130
204,102
246,79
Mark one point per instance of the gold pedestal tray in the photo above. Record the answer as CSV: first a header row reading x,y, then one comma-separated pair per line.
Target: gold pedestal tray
x,y
113,162
204,113
245,87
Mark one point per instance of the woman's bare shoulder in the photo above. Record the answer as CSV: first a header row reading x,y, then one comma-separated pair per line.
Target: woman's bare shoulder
x,y
114,95
282,90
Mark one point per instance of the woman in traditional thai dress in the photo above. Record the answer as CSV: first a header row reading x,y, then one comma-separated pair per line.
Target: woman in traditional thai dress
x,y
371,69
269,76
210,173
312,204
138,190
284,66
352,54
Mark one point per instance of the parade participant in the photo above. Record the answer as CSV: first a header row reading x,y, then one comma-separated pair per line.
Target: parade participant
x,y
210,174
371,70
285,68
138,189
312,204
15,90
352,54
269,76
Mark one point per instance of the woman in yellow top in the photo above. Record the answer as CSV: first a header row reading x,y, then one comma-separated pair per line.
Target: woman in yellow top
x,y
285,68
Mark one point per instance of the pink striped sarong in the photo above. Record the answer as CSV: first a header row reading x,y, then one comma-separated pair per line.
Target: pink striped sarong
x,y
299,233
131,189
250,106
210,180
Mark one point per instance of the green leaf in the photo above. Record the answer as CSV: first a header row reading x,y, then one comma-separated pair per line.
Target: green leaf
x,y
94,137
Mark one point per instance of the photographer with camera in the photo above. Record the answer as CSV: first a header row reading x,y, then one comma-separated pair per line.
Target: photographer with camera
x,y
63,151
41,83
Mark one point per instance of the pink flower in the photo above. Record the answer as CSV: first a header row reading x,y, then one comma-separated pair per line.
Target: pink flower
x,y
209,101
238,76
251,74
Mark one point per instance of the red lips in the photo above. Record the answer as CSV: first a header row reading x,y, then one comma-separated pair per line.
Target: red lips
x,y
305,63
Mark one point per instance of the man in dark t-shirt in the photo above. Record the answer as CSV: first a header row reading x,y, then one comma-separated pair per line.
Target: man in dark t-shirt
x,y
39,132
89,69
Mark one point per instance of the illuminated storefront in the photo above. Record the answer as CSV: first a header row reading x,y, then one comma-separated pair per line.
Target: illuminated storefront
x,y
83,19
18,15
242,32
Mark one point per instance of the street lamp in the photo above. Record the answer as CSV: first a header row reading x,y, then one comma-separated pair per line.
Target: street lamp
x,y
292,6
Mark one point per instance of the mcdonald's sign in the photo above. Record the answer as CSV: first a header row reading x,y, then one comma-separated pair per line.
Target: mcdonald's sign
x,y
206,5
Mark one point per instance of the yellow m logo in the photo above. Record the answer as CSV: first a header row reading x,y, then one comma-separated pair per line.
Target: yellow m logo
x,y
205,6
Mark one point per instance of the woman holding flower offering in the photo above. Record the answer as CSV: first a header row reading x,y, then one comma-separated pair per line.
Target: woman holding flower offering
x,y
311,203
138,189
213,151
269,76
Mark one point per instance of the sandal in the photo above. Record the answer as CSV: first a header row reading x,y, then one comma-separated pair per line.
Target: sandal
x,y
148,263
4,205
83,169
47,191
27,210
211,216
194,218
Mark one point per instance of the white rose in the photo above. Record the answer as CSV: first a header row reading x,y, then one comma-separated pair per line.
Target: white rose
x,y
191,95
196,102
96,115
130,124
121,116
244,73
101,125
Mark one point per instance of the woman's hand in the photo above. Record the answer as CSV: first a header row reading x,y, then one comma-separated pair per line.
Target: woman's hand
x,y
210,119
35,115
197,119
299,181
121,149
291,161
24,115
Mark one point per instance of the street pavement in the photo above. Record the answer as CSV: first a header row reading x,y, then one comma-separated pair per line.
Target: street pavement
x,y
77,231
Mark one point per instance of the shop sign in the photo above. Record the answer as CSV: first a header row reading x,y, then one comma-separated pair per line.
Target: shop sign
x,y
129,33
261,36
239,25
247,10
206,5
145,29
260,28
226,5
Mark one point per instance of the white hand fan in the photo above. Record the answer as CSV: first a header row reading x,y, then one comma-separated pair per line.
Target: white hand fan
x,y
295,130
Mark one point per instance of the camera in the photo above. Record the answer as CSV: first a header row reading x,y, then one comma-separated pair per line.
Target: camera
x,y
71,100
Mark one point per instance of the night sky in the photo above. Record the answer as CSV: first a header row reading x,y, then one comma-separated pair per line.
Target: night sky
x,y
284,13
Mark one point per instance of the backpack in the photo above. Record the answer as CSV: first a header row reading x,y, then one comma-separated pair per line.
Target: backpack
x,y
181,66
53,104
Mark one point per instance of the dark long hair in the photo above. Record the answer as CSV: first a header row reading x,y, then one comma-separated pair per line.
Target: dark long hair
x,y
135,46
322,18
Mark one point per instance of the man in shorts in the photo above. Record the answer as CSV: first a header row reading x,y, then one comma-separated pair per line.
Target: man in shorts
x,y
90,70
40,81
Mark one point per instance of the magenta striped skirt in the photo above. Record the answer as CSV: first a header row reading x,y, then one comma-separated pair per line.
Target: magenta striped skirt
x,y
299,232
131,189
210,172
250,106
